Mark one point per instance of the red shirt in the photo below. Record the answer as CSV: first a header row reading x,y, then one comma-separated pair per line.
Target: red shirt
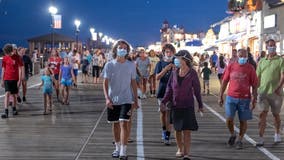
x,y
11,66
240,78
54,63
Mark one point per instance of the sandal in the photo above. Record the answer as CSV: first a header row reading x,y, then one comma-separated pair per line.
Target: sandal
x,y
179,154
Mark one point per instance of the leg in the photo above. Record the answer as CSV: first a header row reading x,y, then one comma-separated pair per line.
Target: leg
x,y
50,102
67,94
178,135
24,86
62,93
277,123
186,142
262,123
230,125
243,129
45,103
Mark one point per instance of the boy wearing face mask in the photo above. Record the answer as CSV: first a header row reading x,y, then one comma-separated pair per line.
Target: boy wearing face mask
x,y
270,72
163,71
241,77
120,92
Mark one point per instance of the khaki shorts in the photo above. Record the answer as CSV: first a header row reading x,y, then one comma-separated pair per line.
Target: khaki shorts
x,y
162,107
273,101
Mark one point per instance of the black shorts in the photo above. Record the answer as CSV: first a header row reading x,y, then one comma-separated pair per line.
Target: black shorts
x,y
96,71
119,113
220,75
56,77
11,86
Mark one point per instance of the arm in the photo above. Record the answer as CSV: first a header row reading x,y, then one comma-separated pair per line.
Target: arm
x,y
2,76
72,73
164,71
134,90
40,84
197,94
278,90
60,75
108,100
169,91
222,90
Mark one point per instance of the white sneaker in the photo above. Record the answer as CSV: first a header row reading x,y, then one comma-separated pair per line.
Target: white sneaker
x,y
277,138
144,96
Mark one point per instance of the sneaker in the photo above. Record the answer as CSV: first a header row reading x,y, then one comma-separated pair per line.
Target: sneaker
x,y
115,154
15,112
4,116
163,135
232,140
19,99
24,99
186,157
152,95
277,138
167,141
239,145
123,157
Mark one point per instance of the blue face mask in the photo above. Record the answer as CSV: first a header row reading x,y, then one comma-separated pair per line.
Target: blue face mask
x,y
177,63
121,52
242,60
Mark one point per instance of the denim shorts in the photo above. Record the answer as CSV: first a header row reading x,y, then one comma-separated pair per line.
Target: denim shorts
x,y
66,82
241,105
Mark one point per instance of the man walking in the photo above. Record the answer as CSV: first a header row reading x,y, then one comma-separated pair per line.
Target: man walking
x,y
242,77
270,72
120,92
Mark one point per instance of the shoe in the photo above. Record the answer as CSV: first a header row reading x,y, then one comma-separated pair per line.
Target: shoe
x,y
5,114
179,154
115,154
277,138
186,157
130,141
152,95
123,157
239,145
15,112
167,141
24,99
163,135
232,140
19,99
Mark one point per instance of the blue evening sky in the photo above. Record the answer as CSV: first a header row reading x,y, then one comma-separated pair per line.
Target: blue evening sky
x,y
137,21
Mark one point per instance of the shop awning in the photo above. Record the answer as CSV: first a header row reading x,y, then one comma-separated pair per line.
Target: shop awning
x,y
231,37
211,48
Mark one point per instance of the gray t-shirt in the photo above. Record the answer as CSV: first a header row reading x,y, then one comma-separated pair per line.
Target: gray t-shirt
x,y
119,76
143,66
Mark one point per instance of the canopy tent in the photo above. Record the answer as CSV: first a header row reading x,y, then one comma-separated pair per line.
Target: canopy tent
x,y
196,43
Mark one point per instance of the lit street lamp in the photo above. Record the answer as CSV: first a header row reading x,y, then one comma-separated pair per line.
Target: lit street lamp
x,y
52,10
77,24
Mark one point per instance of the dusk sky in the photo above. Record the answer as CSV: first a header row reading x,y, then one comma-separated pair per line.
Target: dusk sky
x,y
137,21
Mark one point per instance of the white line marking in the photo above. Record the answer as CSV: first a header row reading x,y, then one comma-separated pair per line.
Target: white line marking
x,y
91,134
262,149
139,133
32,86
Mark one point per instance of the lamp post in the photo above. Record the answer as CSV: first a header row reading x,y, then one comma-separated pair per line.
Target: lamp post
x,y
52,10
77,24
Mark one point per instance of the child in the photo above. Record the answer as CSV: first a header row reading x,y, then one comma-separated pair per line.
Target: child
x,y
11,77
47,82
206,76
66,75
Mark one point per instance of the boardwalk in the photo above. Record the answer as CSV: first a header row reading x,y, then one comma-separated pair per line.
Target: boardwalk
x,y
80,131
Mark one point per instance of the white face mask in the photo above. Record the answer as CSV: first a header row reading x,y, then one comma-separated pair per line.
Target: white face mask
x,y
168,58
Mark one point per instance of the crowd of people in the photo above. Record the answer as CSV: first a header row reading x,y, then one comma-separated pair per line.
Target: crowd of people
x,y
127,73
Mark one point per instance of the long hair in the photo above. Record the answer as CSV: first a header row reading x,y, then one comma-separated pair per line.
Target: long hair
x,y
221,62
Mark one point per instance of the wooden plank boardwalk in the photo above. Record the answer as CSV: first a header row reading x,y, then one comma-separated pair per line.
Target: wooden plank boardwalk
x,y
64,134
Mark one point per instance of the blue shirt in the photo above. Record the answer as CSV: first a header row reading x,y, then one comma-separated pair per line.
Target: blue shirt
x,y
47,82
164,80
119,76
66,72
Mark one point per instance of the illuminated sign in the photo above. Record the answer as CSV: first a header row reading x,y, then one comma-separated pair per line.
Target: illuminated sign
x,y
270,21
